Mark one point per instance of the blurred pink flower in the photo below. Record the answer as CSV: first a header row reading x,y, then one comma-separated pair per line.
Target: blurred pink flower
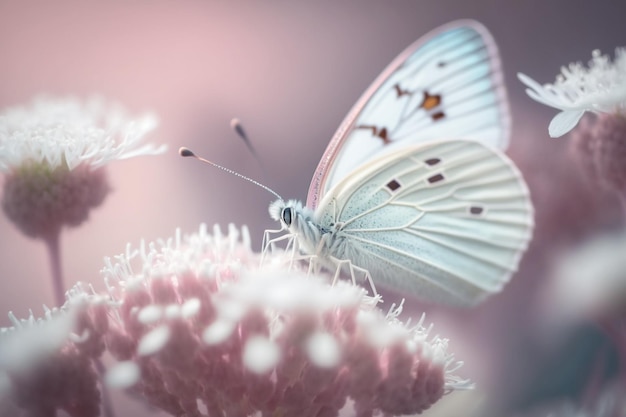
x,y
600,88
199,326
48,364
53,154
599,145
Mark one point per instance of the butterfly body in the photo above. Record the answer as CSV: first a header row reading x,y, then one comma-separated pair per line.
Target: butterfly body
x,y
414,187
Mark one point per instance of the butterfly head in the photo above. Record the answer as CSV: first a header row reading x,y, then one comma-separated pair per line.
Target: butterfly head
x,y
285,212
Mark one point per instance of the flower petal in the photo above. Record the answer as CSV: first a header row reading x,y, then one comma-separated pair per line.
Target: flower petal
x,y
540,93
564,122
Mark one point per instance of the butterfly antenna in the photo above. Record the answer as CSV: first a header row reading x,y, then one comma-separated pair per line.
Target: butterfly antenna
x,y
236,125
186,152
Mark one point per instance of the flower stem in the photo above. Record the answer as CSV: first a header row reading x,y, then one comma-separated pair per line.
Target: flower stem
x,y
54,252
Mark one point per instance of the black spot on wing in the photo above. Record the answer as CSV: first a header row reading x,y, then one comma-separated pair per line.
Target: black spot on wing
x,y
377,132
436,178
393,185
438,116
400,92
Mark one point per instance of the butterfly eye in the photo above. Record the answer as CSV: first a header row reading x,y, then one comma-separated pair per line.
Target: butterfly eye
x,y
286,215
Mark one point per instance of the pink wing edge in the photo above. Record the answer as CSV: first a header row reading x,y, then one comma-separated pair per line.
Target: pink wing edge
x,y
318,181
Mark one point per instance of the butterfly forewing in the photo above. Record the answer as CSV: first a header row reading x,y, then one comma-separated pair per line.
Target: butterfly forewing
x,y
445,221
448,84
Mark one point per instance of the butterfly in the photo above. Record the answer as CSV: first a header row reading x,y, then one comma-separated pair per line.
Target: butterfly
x,y
414,186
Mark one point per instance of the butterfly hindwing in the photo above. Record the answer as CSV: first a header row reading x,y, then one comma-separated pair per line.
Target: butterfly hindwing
x,y
445,221
448,84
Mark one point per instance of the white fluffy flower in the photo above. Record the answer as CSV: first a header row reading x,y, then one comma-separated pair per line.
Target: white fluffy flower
x,y
600,88
71,131
53,153
31,340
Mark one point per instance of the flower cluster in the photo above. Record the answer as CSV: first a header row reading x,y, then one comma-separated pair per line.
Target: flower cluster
x,y
196,325
202,322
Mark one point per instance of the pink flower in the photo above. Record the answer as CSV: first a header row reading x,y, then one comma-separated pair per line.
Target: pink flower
x,y
198,325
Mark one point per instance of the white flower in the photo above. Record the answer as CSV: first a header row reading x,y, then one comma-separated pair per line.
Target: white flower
x,y
600,88
66,130
53,153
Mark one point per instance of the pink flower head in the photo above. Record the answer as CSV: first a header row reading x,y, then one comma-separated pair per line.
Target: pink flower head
x,y
199,326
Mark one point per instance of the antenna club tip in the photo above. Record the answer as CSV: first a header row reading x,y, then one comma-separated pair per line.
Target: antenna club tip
x,y
234,122
185,152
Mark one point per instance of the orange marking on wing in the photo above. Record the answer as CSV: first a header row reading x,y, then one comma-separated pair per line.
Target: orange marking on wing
x,y
430,101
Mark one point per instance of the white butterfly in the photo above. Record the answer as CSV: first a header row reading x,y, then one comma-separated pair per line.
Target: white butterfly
x,y
414,186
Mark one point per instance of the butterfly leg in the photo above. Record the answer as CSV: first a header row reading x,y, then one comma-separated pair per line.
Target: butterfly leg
x,y
315,266
269,241
355,271
269,244
292,250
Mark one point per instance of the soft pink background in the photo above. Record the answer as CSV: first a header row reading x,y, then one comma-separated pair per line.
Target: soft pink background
x,y
289,70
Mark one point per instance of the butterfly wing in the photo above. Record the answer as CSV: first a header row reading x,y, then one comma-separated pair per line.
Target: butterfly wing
x,y
445,221
448,84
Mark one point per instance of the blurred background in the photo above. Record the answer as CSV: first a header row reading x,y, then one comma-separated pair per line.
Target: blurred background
x,y
290,71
